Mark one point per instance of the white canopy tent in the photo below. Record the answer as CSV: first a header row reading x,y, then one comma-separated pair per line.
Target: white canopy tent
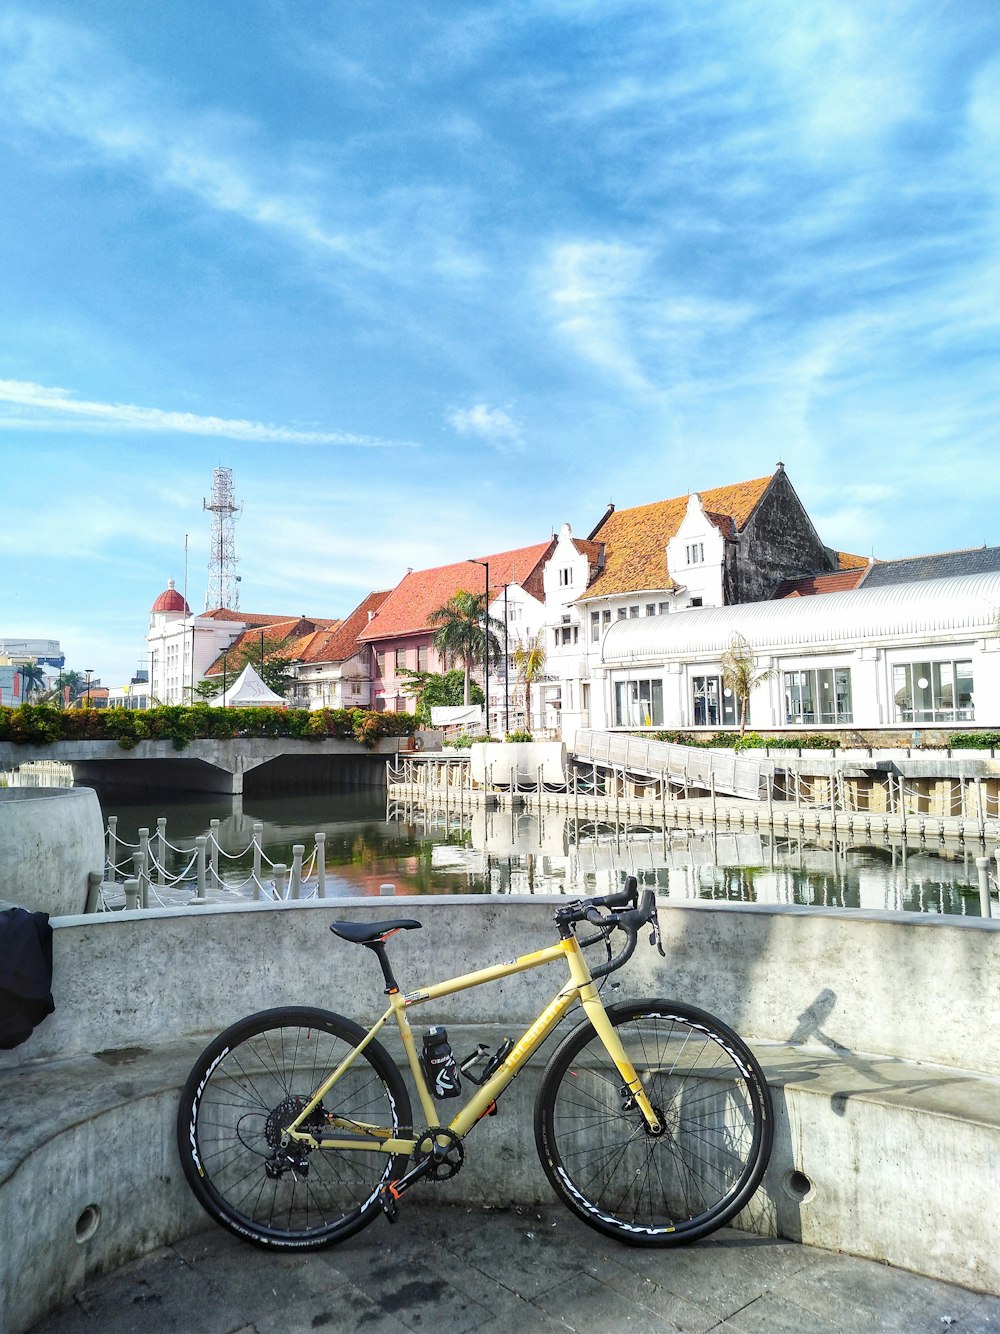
x,y
248,690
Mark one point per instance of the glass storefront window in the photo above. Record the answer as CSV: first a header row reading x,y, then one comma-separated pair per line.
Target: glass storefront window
x,y
933,692
818,695
713,703
639,703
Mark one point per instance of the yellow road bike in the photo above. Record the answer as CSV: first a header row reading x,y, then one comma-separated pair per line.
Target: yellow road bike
x,y
653,1121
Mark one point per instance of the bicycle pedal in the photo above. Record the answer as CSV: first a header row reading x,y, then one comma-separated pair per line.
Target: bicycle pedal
x,y
389,1201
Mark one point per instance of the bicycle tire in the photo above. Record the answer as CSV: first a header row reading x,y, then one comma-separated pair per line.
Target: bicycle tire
x,y
241,1090
598,1153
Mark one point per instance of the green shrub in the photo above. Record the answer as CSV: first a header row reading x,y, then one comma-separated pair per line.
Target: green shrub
x,y
521,734
974,740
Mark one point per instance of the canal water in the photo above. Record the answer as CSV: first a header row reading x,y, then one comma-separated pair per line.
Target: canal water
x,y
370,845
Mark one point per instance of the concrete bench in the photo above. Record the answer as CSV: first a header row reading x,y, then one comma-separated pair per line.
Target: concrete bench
x,y
890,1157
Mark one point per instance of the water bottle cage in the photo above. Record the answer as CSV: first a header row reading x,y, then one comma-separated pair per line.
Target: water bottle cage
x,y
490,1061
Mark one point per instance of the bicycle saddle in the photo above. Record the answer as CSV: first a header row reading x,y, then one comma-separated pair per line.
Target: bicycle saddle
x,y
361,933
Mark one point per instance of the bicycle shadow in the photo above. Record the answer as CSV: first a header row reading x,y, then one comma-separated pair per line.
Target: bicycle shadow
x,y
813,1055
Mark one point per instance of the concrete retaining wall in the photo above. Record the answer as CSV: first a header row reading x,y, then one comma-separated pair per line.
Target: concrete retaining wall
x,y
895,1160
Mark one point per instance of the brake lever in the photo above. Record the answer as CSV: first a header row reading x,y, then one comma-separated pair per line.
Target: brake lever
x,y
654,935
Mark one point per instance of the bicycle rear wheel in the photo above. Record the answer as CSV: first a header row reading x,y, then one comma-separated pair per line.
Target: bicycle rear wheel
x,y
246,1087
599,1154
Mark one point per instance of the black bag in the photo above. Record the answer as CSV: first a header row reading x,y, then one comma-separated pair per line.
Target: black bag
x,y
25,974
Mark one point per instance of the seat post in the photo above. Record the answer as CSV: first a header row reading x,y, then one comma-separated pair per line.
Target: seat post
x,y
377,948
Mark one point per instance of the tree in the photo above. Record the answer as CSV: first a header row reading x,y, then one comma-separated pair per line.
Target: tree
x,y
435,689
32,679
461,634
529,663
740,674
71,681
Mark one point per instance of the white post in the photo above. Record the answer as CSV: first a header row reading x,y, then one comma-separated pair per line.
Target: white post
x,y
161,850
321,865
199,844
93,891
112,846
258,832
280,879
214,826
298,851
132,894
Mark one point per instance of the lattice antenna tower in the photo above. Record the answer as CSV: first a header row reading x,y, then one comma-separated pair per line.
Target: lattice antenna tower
x,y
223,581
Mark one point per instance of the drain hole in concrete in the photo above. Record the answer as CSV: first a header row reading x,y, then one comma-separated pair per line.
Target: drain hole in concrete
x,y
798,1186
88,1222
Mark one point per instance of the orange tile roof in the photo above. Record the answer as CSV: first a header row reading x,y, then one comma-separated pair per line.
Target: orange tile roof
x,y
635,540
407,610
837,582
845,561
341,643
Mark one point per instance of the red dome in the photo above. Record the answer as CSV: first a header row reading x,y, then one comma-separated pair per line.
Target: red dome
x,y
171,600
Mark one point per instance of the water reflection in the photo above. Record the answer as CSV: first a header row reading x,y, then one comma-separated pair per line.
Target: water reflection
x,y
532,852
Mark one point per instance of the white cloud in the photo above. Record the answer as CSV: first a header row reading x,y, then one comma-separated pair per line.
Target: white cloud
x,y
486,422
61,81
130,417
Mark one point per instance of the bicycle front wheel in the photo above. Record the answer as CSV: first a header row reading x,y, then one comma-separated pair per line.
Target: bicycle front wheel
x,y
715,1111
243,1091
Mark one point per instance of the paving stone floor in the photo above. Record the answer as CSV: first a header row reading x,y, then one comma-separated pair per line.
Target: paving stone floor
x,y
450,1269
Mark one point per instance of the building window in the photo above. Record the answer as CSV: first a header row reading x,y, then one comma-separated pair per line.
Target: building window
x,y
695,602
623,613
566,576
633,612
423,658
695,553
650,608
664,608
712,703
380,662
595,626
639,703
400,660
933,692
822,695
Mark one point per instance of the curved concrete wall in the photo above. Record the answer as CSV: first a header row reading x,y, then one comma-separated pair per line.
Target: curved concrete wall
x,y
903,985
901,1155
51,838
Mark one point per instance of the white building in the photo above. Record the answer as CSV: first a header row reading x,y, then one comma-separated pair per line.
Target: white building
x,y
894,655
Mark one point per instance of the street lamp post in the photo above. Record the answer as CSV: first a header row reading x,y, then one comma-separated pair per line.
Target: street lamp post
x,y
506,665
89,671
486,643
225,658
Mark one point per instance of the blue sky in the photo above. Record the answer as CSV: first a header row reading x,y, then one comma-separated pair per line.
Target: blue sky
x,y
434,279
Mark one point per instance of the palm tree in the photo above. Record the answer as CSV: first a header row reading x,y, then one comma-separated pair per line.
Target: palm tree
x,y
740,674
73,680
32,679
462,634
529,662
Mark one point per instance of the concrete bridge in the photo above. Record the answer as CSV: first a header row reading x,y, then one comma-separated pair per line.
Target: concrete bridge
x,y
216,766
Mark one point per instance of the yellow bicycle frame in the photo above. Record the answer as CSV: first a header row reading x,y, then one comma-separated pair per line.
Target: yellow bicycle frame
x,y
580,986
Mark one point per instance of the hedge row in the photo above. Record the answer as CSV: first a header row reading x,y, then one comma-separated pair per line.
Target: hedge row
x,y
41,724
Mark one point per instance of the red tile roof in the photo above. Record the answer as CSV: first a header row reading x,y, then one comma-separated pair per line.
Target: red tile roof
x,y
837,582
635,540
407,609
341,643
252,618
282,637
